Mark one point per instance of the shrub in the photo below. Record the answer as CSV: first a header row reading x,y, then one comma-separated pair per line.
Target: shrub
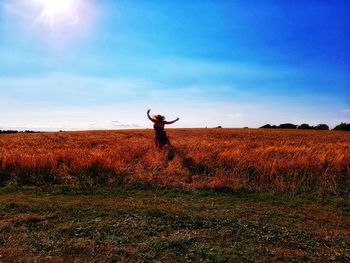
x,y
322,127
342,127
268,126
305,126
287,126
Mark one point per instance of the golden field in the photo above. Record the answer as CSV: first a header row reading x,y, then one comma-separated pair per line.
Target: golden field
x,y
290,161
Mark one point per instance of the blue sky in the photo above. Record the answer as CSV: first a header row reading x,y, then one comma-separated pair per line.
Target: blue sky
x,y
229,63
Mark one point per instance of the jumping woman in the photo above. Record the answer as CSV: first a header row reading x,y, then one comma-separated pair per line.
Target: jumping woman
x,y
159,121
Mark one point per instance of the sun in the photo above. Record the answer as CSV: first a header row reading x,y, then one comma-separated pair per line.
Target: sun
x,y
57,23
57,13
56,7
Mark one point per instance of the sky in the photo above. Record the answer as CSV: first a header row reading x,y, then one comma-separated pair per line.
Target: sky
x,y
88,64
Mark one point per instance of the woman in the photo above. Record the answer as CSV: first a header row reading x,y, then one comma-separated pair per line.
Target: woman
x,y
159,121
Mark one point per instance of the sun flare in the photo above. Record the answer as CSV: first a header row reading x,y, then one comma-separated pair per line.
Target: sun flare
x,y
56,13
58,23
57,7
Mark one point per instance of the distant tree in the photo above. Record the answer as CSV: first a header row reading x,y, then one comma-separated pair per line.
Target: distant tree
x,y
8,131
323,127
268,126
342,127
305,126
287,126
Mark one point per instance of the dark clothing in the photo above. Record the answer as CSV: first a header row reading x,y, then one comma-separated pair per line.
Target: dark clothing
x,y
160,137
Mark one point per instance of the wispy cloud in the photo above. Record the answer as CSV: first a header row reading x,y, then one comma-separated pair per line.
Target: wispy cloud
x,y
73,102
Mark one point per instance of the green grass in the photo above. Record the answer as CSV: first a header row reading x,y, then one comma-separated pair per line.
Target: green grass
x,y
140,225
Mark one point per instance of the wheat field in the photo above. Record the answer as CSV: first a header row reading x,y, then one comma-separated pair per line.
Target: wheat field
x,y
288,161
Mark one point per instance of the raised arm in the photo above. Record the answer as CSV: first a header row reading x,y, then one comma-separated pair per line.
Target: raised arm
x,y
171,122
149,116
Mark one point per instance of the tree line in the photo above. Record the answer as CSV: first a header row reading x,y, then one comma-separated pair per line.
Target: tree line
x,y
14,131
340,127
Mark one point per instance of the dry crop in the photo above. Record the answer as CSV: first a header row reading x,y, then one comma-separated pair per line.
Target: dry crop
x,y
292,161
